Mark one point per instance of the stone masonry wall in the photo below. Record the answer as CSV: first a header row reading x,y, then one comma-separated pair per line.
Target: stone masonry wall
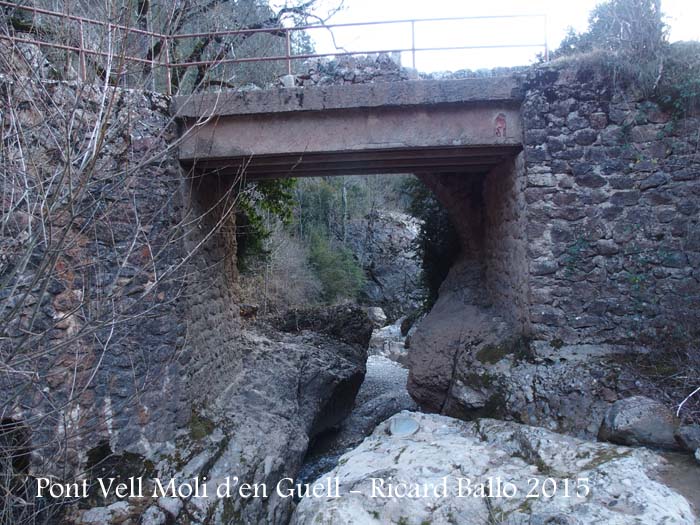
x,y
487,212
90,342
613,189
212,309
505,247
139,320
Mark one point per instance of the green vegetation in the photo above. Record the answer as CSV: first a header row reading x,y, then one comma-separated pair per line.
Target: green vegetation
x,y
634,27
556,343
304,224
259,203
438,244
604,456
200,426
315,215
679,86
628,38
340,274
492,354
518,347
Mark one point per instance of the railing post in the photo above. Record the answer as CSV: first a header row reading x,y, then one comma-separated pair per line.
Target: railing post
x,y
81,55
546,44
168,72
413,42
289,51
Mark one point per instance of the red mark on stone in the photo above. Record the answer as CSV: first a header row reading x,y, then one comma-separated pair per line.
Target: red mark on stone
x,y
500,125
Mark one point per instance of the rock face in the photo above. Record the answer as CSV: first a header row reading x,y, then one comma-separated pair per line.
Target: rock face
x,y
535,461
383,243
383,394
459,320
640,421
289,387
567,389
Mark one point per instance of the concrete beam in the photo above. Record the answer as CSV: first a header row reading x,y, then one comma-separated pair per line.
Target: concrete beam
x,y
449,126
354,96
301,135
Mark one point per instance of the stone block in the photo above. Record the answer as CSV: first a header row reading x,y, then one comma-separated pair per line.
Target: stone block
x,y
653,181
585,137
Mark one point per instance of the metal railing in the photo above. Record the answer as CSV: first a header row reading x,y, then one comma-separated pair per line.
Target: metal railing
x,y
164,59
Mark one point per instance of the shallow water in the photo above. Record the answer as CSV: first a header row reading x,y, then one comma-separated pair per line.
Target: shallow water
x,y
682,473
383,392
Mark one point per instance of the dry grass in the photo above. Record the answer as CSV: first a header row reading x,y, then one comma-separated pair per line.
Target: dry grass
x,y
285,280
671,374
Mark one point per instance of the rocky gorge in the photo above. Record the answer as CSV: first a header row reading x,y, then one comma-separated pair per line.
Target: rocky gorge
x,y
523,375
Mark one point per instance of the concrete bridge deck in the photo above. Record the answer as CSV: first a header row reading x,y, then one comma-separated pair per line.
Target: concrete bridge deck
x,y
467,125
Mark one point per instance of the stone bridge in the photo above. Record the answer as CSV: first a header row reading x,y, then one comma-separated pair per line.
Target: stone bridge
x,y
450,126
551,182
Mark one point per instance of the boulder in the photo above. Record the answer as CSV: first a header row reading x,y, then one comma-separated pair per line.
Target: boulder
x,y
458,320
377,316
261,427
688,436
639,420
573,481
288,389
566,388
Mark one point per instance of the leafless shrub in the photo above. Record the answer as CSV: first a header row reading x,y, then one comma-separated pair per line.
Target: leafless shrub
x,y
147,34
672,377
97,237
285,279
92,247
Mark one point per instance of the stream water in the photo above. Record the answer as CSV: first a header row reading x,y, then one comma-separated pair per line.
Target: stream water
x,y
382,394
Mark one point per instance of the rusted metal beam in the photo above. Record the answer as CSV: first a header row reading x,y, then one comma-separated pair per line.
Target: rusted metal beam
x,y
434,160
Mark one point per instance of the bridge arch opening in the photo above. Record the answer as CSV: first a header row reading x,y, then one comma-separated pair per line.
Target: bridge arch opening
x,y
485,205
